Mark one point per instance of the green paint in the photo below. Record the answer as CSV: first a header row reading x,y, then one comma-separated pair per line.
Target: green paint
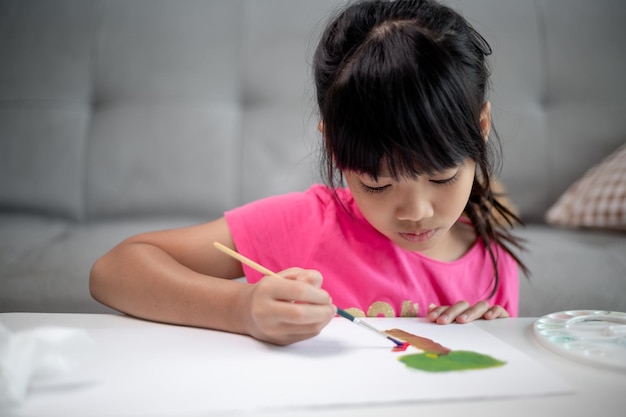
x,y
456,360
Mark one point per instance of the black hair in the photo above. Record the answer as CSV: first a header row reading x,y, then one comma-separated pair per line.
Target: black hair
x,y
404,82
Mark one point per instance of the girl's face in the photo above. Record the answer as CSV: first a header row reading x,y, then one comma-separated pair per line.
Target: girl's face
x,y
416,214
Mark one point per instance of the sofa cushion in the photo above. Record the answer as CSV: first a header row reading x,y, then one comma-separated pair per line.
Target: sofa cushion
x,y
139,163
572,269
164,84
45,263
597,199
44,105
43,146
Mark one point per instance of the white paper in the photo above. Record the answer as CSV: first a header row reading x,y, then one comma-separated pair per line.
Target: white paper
x,y
181,371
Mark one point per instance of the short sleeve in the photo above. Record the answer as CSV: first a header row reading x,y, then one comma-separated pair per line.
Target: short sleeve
x,y
278,232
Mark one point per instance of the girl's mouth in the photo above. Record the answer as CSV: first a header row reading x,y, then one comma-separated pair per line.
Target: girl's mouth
x,y
421,236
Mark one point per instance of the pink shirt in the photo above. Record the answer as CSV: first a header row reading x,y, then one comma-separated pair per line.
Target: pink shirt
x,y
364,272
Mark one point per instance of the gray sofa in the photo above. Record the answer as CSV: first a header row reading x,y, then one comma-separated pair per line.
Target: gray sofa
x,y
118,117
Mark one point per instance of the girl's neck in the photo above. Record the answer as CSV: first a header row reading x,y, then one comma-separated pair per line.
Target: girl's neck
x,y
459,240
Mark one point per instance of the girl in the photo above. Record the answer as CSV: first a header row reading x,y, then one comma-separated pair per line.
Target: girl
x,y
401,88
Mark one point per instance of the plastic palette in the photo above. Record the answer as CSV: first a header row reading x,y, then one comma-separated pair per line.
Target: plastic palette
x,y
592,336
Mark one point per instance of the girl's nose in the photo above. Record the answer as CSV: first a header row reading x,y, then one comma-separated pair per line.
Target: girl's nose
x,y
414,207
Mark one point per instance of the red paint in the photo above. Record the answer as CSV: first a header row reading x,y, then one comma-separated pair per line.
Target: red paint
x,y
401,348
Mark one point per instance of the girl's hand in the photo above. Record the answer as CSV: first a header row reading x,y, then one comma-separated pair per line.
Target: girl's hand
x,y
462,312
285,311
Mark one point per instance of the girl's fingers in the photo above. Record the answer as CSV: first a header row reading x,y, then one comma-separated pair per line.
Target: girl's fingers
x,y
309,276
447,314
284,311
295,288
293,315
435,311
283,323
496,312
302,292
461,312
477,311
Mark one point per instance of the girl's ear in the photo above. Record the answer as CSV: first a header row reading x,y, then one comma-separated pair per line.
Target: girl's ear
x,y
320,127
485,120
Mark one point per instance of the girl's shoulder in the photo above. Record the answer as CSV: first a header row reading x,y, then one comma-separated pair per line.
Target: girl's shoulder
x,y
295,206
330,195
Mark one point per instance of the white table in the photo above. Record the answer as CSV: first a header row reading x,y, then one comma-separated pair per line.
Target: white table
x,y
598,391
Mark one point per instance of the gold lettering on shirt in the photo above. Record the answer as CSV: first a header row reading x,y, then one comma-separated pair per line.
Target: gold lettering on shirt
x,y
356,312
384,309
380,308
409,309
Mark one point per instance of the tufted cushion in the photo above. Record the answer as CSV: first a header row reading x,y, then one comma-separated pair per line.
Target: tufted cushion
x,y
597,199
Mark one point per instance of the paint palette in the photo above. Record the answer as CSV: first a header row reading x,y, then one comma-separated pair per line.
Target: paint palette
x,y
592,336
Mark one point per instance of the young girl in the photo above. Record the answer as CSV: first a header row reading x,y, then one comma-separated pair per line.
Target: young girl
x,y
401,88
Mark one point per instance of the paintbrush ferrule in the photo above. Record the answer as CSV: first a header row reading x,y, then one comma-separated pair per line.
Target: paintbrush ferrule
x,y
368,326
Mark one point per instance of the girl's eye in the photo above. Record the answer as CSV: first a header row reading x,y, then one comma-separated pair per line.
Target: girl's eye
x,y
374,190
447,181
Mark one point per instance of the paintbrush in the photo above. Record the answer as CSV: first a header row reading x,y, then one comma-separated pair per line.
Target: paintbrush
x,y
260,268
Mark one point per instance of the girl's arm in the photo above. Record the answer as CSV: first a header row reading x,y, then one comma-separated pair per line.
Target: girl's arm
x,y
177,276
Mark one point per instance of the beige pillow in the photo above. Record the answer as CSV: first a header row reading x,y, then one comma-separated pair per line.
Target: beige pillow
x,y
597,199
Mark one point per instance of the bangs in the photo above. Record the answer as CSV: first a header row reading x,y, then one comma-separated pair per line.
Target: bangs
x,y
402,102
